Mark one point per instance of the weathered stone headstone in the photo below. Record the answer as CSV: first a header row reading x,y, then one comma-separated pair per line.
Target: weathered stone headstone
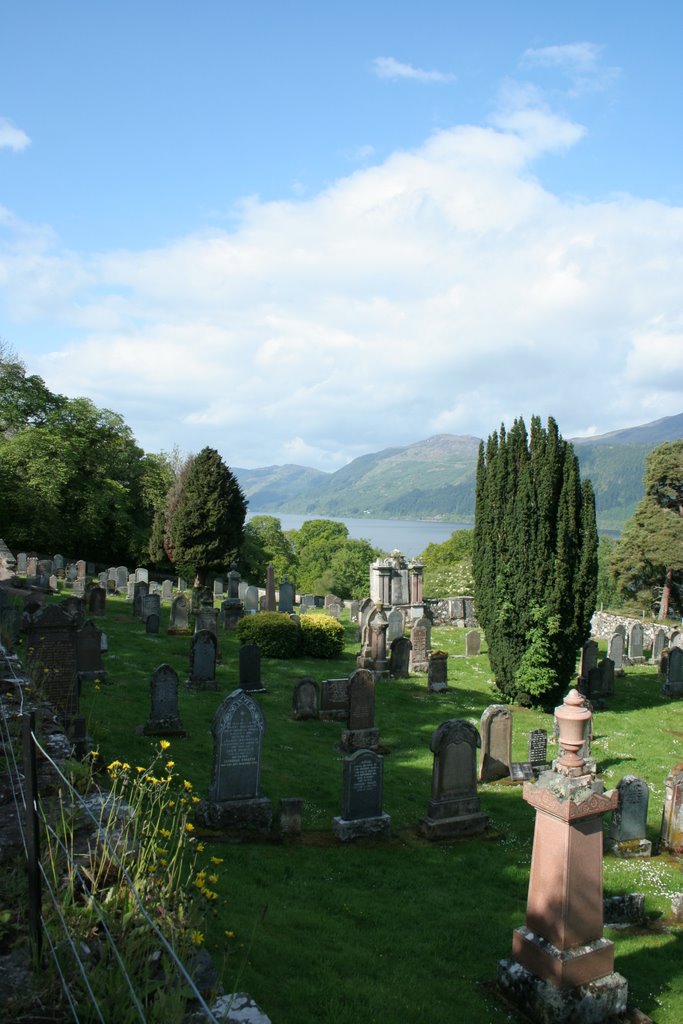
x,y
307,602
671,838
589,658
81,569
150,605
496,743
305,700
235,800
89,653
360,732
164,716
167,590
658,644
290,809
399,661
74,608
286,597
155,588
334,700
437,672
140,592
271,604
22,563
97,601
179,621
627,835
334,609
218,590
251,600
454,808
420,638
601,681
395,625
202,661
353,611
152,623
141,575
104,580
77,588
53,583
472,643
121,578
250,668
673,686
635,644
362,816
615,650
232,610
206,618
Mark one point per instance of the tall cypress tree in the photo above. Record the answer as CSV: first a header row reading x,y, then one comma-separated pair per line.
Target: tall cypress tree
x,y
534,558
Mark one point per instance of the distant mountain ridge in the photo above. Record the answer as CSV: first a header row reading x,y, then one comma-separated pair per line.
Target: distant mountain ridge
x,y
435,478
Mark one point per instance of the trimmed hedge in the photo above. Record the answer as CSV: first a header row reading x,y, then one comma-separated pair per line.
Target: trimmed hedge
x,y
276,634
321,636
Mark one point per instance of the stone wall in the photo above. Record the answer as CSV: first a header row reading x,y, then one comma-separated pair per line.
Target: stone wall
x,y
603,625
453,611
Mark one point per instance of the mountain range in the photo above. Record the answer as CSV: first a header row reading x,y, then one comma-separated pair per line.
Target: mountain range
x,y
435,478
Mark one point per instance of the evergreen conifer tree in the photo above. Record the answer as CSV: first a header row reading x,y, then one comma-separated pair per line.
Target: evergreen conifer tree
x,y
534,556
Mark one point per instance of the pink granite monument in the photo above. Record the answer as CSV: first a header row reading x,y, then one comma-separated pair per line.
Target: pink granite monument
x,y
562,969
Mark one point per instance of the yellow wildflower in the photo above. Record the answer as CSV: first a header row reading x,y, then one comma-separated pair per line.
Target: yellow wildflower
x,y
125,766
216,860
200,847
213,878
171,803
183,800
139,768
165,833
113,765
187,785
169,765
195,799
196,938
230,935
209,893
189,827
164,744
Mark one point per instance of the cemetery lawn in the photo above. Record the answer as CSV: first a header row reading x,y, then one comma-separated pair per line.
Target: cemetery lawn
x,y
401,930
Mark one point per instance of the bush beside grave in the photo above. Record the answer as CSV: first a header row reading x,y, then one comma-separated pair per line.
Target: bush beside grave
x,y
276,634
322,636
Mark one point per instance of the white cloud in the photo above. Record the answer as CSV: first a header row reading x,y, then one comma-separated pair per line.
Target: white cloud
x,y
443,289
581,63
389,67
12,137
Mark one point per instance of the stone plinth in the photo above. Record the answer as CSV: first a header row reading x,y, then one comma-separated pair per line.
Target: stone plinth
x,y
359,739
541,1001
250,815
361,828
628,849
450,819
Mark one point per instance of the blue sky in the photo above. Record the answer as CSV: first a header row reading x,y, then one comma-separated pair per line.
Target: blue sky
x,y
299,233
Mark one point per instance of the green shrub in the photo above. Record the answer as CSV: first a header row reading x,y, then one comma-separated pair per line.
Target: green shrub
x,y
276,634
321,636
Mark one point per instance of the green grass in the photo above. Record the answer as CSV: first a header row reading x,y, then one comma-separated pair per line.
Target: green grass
x,y
406,930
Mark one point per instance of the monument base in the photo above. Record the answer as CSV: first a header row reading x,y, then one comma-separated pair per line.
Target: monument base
x,y
359,739
540,1001
563,968
179,631
163,727
361,828
453,828
250,815
629,848
201,684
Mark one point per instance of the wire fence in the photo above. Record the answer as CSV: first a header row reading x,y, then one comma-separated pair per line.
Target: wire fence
x,y
51,932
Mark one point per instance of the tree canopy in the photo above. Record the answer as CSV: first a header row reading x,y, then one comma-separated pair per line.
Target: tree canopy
x,y
534,558
647,561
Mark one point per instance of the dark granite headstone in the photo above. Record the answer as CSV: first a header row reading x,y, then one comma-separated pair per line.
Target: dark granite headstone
x,y
659,642
250,668
286,598
51,646
150,605
140,592
334,700
437,671
589,658
360,732
615,649
538,749
635,643
97,599
203,661
164,716
152,623
362,790
89,652
399,661
235,799
673,687
179,621
420,638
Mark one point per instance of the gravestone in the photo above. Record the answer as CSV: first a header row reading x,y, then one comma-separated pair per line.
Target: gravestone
x,y
78,588
307,602
53,584
673,685
538,751
396,625
635,644
121,578
360,732
232,610
334,609
420,638
334,700
202,661
150,605
235,800
286,597
271,605
601,681
399,661
218,590
589,658
164,716
353,611
22,562
305,700
51,643
496,743
181,584
251,600
437,672
97,601
44,567
155,588
74,608
167,590
454,808
130,591
140,592
81,569
671,837
242,589
141,575
152,623
627,836
615,650
206,618
89,653
179,620
362,816
658,644
472,643
104,581
290,809
250,668
234,584
71,571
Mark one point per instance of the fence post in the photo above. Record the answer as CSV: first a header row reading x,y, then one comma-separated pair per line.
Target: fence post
x,y
32,836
